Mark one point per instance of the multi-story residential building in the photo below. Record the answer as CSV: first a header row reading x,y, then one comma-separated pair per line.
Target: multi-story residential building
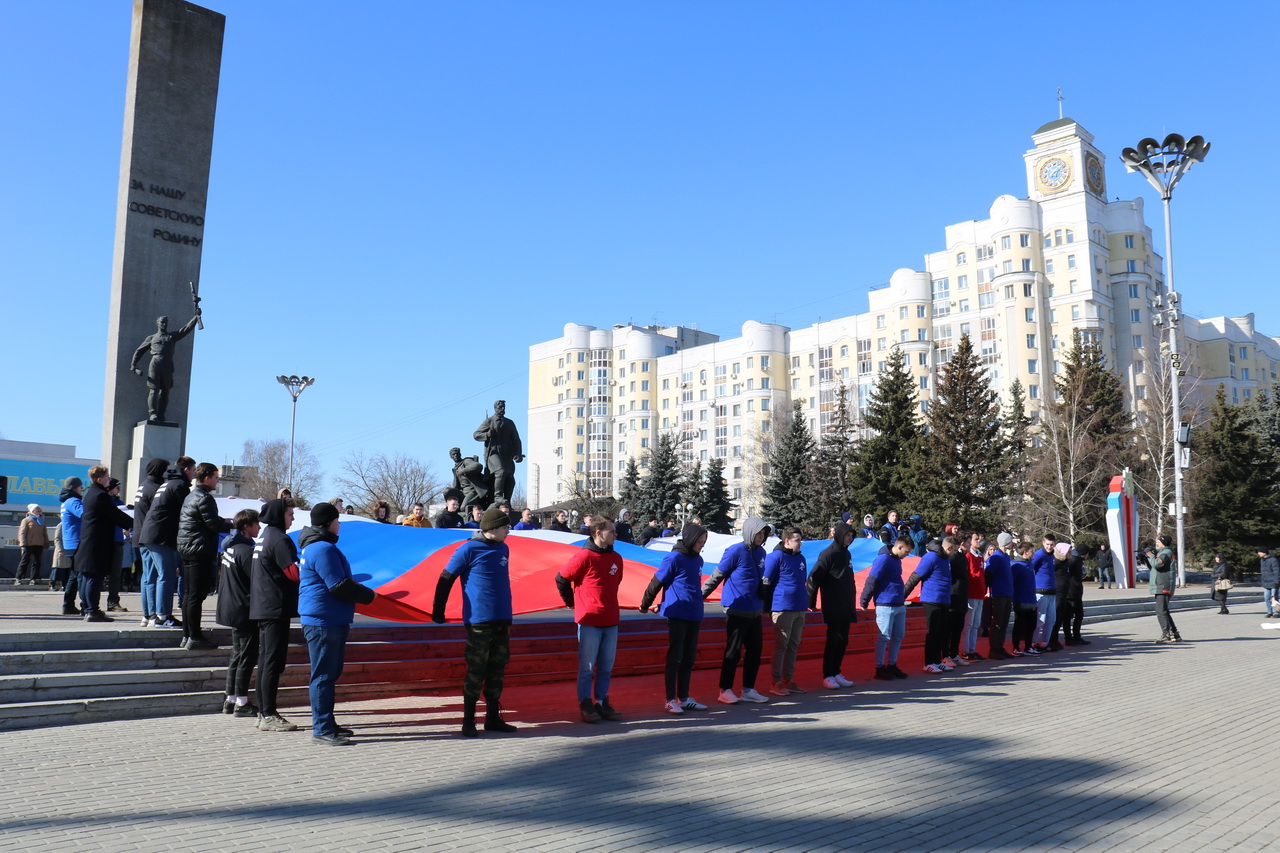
x,y
1019,283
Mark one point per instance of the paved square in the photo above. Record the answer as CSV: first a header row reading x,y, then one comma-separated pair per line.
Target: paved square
x,y
1122,745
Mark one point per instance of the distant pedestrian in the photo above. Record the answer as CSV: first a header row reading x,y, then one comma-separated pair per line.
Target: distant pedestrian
x,y
33,538
1163,582
786,600
1042,564
482,564
72,510
741,568
679,579
1222,581
976,601
1105,561
61,568
233,612
327,599
115,579
142,499
588,583
1269,577
832,581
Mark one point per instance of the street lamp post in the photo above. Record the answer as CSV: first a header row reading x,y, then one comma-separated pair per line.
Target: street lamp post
x,y
295,385
1163,164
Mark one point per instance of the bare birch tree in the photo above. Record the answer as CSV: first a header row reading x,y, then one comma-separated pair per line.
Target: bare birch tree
x,y
399,480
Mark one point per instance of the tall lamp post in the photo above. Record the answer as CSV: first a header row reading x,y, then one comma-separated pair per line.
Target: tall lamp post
x,y
295,385
1163,164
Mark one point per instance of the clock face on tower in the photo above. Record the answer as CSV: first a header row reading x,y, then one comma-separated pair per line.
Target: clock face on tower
x,y
1053,173
1093,174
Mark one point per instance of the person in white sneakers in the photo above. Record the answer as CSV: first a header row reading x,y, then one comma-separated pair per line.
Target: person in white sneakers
x,y
832,577
679,579
741,569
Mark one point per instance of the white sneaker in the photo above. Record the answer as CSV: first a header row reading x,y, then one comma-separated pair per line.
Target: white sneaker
x,y
933,667
145,623
958,661
830,683
691,704
728,697
673,707
842,681
945,665
753,695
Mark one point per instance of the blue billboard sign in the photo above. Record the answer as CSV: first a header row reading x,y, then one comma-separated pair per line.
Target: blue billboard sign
x,y
32,482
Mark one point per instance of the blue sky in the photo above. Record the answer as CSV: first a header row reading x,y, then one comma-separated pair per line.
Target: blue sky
x,y
404,196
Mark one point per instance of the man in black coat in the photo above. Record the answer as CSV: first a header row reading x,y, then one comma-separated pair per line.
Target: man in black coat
x,y
1269,576
198,528
97,536
832,576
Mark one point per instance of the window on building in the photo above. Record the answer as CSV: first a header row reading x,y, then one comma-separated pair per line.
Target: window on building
x,y
1031,341
582,356
1048,265
962,281
1033,392
1030,314
764,362
919,311
879,325
961,258
764,405
1006,242
1032,365
1071,236
922,358
941,288
1008,291
1131,266
1057,237
1133,292
644,367
924,383
902,312
1008,266
921,335
1135,315
880,344
1244,352
1024,240
964,305
1128,241
902,335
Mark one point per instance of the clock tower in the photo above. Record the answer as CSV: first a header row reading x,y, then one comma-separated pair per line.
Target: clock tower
x,y
1064,162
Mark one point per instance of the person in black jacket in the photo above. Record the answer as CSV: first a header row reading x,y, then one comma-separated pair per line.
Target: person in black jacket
x,y
198,527
832,576
449,518
98,525
273,601
623,526
233,611
159,536
1105,562
1269,577
142,499
1222,579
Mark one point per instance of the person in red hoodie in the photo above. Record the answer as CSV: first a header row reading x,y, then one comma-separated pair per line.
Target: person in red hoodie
x,y
977,597
589,584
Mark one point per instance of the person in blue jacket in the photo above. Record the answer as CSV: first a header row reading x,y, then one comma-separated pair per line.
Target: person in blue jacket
x,y
919,537
327,598
933,575
72,511
785,597
481,563
999,577
884,585
869,529
741,569
1042,565
1024,602
679,579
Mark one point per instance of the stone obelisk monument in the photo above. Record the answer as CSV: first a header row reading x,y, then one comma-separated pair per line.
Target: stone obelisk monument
x,y
175,57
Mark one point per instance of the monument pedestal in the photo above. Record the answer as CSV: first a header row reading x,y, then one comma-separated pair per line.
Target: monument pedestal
x,y
149,441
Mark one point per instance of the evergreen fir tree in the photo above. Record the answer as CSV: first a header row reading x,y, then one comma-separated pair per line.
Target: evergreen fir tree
x,y
1016,431
1233,510
885,463
629,486
712,500
966,476
1087,383
835,455
790,494
692,486
660,488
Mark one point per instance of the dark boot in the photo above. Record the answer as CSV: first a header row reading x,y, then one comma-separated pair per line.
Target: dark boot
x,y
493,719
468,718
587,709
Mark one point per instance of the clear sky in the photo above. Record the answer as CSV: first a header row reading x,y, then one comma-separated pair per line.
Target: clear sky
x,y
406,195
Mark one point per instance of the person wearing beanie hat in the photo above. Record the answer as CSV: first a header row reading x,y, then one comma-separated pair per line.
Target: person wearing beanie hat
x,y
322,514
999,579
32,540
482,564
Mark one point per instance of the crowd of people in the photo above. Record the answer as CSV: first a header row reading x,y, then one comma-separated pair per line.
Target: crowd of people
x,y
1026,600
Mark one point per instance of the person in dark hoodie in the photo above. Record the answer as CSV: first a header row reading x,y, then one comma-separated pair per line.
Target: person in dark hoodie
x,y
1269,578
679,579
832,578
327,599
933,576
72,500
741,569
273,601
482,564
97,536
233,612
785,598
142,499
160,536
885,586
199,526
588,583
623,526
919,537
